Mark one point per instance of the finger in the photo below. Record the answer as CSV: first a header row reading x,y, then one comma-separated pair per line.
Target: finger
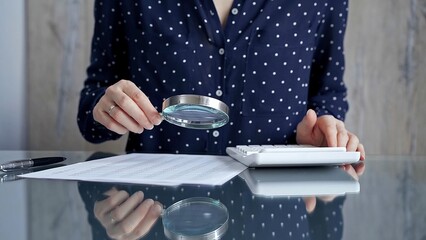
x,y
147,222
310,203
126,109
124,119
305,128
100,115
361,149
125,208
342,134
139,98
353,143
121,95
327,127
328,198
359,168
308,122
111,192
102,208
110,123
127,225
111,202
351,171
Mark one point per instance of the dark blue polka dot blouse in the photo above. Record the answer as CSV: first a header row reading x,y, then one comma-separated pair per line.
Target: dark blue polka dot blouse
x,y
271,62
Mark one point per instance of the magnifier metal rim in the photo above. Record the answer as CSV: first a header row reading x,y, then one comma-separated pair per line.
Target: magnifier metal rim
x,y
192,99
215,234
196,100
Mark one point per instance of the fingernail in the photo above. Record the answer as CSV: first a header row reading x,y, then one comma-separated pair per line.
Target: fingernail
x,y
158,207
139,194
158,119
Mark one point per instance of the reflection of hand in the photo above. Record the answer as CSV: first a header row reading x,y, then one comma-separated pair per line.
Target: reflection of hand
x,y
127,217
311,202
124,107
354,171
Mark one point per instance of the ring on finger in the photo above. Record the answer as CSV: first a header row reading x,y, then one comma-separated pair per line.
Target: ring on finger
x,y
112,219
111,108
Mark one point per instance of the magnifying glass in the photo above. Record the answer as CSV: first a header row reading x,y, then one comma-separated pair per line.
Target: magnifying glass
x,y
200,218
195,111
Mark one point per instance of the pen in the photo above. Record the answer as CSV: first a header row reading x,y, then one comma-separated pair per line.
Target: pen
x,y
28,163
12,176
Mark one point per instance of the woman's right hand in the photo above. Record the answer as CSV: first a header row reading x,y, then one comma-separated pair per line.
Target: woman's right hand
x,y
124,108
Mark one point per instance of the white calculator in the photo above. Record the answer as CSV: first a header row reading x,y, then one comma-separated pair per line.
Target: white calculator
x,y
291,155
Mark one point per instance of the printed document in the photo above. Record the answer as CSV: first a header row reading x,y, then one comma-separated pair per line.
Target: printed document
x,y
155,169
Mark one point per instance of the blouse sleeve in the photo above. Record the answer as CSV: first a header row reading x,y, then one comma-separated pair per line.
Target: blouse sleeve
x,y
108,64
327,91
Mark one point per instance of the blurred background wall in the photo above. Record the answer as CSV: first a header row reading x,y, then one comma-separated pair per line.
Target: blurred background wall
x,y
12,75
385,73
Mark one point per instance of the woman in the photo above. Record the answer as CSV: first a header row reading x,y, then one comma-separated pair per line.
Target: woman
x,y
278,65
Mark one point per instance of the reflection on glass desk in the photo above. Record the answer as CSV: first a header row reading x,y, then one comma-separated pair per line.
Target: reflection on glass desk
x,y
388,202
299,181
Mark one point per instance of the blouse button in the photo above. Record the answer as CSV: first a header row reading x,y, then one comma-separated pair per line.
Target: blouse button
x,y
219,93
221,51
215,133
234,11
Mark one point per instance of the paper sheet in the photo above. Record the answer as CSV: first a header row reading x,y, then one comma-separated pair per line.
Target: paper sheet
x,y
156,169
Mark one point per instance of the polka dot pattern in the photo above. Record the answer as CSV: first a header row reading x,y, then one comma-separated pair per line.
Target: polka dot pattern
x,y
271,62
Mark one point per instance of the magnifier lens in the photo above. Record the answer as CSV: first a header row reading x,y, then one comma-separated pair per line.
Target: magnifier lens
x,y
197,112
195,218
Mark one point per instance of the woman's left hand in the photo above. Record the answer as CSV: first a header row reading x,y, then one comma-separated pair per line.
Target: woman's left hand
x,y
328,131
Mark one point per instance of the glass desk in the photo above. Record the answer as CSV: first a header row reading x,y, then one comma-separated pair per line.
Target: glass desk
x,y
388,202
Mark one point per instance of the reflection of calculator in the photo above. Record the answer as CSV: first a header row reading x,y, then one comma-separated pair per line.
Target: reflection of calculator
x,y
298,181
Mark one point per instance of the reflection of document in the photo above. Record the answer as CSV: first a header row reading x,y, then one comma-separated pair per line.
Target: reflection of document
x,y
157,169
